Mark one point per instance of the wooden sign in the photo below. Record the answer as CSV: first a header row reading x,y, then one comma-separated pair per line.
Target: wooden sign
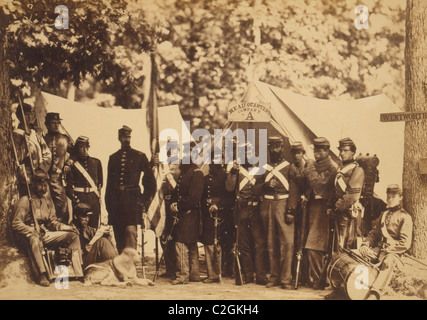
x,y
250,112
403,116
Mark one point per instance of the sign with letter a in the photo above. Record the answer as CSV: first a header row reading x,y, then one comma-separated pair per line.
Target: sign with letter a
x,y
250,112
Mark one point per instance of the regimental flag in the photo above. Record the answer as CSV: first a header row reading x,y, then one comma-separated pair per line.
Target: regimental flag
x,y
156,214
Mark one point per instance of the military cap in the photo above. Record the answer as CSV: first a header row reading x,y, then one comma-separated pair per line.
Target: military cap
x,y
82,209
125,131
52,116
394,188
275,140
82,140
346,142
321,143
40,175
297,146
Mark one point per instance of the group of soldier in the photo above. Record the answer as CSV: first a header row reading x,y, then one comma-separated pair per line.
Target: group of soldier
x,y
251,225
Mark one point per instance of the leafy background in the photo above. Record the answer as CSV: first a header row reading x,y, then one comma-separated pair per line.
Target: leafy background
x,y
206,51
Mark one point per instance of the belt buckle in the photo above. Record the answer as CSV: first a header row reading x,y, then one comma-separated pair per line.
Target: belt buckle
x,y
86,189
250,203
121,188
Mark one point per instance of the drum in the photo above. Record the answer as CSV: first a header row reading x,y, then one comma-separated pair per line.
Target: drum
x,y
351,277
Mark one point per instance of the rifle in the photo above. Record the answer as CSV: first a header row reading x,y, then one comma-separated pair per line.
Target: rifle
x,y
25,135
165,243
321,283
236,252
300,240
217,251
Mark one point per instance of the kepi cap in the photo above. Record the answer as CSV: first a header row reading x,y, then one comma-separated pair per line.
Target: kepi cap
x,y
346,142
321,142
82,141
125,131
297,146
273,140
52,116
394,188
40,175
82,209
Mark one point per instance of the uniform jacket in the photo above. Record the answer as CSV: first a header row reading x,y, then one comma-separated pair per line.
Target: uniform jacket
x,y
40,153
123,198
188,194
61,146
297,184
320,177
348,185
44,212
248,190
75,178
269,175
398,224
214,193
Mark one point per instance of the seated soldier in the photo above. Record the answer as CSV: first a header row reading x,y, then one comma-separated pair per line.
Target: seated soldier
x,y
390,238
36,223
96,244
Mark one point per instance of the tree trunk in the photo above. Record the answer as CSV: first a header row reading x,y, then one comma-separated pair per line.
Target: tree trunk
x,y
415,184
8,194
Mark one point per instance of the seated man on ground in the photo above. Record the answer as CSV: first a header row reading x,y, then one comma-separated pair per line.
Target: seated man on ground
x,y
96,244
37,226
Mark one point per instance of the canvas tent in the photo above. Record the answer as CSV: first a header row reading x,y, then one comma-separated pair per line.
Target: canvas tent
x,y
302,118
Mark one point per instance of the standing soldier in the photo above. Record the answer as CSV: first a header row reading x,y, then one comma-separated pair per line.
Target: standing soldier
x,y
248,220
297,202
167,241
348,188
123,198
277,221
320,175
61,146
84,180
32,150
186,204
214,203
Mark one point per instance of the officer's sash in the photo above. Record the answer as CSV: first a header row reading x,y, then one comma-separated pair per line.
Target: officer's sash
x,y
248,178
339,180
384,230
276,173
87,177
170,178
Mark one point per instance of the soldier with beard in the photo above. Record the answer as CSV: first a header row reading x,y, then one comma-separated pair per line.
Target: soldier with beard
x,y
277,221
320,175
249,224
215,200
186,204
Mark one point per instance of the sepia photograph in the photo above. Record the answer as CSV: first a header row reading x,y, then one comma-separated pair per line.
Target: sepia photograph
x,y
230,152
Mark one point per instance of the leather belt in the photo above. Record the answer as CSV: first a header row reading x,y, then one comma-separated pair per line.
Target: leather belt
x,y
249,203
127,187
276,196
85,189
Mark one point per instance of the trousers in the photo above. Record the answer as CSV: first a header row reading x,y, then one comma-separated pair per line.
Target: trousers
x,y
213,262
187,262
280,240
251,237
126,236
102,250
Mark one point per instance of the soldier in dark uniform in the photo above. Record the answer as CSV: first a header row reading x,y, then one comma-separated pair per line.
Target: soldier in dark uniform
x,y
348,188
320,175
249,224
297,204
169,185
61,146
41,156
186,204
123,198
277,221
391,237
215,201
85,180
